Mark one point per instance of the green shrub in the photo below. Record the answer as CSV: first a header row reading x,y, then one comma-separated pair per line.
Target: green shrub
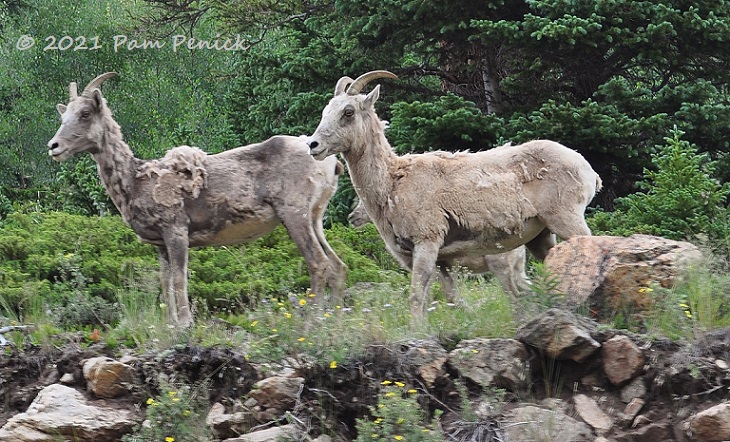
x,y
680,197
61,259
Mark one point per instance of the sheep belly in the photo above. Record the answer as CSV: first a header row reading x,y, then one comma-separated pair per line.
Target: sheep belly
x,y
237,233
490,242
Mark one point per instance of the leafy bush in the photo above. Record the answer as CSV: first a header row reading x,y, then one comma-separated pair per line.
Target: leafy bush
x,y
680,198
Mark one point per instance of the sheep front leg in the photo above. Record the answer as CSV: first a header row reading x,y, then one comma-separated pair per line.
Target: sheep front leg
x,y
176,291
424,266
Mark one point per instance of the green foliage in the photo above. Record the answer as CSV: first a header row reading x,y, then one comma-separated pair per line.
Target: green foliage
x,y
398,416
681,198
449,123
176,415
66,261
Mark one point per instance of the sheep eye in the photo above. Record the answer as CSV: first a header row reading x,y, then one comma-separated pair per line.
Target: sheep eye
x,y
85,114
349,112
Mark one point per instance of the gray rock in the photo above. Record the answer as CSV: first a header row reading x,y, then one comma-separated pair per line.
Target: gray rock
x,y
61,411
492,362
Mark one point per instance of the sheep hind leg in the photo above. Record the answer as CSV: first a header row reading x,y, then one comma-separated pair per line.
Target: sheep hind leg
x,y
448,285
302,233
337,269
424,267
176,282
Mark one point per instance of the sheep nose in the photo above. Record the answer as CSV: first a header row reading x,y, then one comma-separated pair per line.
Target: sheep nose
x,y
53,145
312,144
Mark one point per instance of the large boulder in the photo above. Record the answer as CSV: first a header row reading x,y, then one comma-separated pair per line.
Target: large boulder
x,y
608,273
60,412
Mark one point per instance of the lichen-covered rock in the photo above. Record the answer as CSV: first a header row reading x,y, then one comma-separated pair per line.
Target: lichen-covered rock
x,y
492,362
560,335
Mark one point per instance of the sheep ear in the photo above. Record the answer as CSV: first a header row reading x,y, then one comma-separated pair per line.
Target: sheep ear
x,y
61,108
373,96
97,99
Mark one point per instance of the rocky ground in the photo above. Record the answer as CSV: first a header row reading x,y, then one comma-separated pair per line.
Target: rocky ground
x,y
562,378
566,379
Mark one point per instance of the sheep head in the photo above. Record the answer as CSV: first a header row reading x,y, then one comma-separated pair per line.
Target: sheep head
x,y
344,118
81,121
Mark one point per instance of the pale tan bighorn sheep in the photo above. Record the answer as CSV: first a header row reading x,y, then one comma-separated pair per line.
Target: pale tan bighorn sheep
x,y
440,206
507,267
189,199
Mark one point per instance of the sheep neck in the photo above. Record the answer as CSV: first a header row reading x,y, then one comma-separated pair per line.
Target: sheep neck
x,y
369,163
116,165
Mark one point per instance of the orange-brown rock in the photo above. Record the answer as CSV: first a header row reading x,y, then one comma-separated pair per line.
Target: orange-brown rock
x,y
608,273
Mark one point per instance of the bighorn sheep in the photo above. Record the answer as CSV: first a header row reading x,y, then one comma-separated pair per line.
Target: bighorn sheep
x,y
438,206
507,267
189,198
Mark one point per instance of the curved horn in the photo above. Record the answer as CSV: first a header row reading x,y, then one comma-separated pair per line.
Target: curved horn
x,y
342,84
96,82
361,81
73,90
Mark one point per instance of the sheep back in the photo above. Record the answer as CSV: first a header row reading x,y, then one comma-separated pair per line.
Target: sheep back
x,y
493,192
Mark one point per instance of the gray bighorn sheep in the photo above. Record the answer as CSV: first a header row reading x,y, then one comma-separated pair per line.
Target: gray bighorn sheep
x,y
507,267
439,206
189,198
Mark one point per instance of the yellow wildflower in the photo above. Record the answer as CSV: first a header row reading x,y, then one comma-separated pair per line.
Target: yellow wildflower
x,y
378,420
253,324
312,295
398,437
169,439
150,401
389,394
412,391
333,365
400,420
171,393
327,315
386,382
302,339
287,315
302,302
400,384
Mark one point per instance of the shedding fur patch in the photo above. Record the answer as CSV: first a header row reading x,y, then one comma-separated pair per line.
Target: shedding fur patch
x,y
181,172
